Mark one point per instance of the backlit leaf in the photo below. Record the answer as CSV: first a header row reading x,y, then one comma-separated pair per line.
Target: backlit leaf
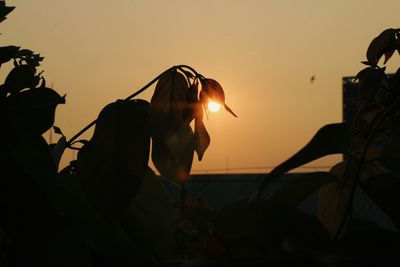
x,y
173,141
173,159
201,136
212,90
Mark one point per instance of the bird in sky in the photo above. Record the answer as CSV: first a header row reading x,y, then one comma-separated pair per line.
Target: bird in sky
x,y
312,79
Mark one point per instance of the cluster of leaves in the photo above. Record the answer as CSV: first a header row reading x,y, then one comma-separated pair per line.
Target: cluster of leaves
x,y
371,149
107,207
175,104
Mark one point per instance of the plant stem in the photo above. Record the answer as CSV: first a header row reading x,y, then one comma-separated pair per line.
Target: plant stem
x,y
360,164
87,127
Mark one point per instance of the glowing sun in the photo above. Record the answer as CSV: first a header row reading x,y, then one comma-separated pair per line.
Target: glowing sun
x,y
213,106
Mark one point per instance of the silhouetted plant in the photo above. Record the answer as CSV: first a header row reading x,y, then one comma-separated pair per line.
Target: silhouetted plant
x,y
108,206
371,146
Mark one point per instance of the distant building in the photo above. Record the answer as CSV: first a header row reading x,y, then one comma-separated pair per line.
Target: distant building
x,y
351,99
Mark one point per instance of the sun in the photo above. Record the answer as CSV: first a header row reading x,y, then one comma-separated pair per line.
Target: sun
x,y
213,106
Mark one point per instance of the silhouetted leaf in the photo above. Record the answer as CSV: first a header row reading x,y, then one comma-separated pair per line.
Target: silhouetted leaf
x,y
195,111
7,53
366,63
333,200
155,217
212,90
370,80
24,53
298,189
57,150
265,229
33,157
5,10
174,158
188,74
173,141
382,44
21,77
43,82
384,190
114,161
388,55
40,235
201,136
330,139
57,130
3,92
191,108
30,112
71,200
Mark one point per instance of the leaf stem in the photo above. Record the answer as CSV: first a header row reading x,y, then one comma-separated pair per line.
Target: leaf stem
x,y
360,164
87,127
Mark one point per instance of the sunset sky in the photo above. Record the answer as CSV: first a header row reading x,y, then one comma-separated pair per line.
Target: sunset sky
x,y
263,52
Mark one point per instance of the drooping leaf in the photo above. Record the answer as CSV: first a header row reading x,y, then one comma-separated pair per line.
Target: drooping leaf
x,y
333,200
174,158
168,105
173,141
114,161
212,90
195,110
382,44
191,110
7,53
201,137
330,139
388,55
298,189
30,112
383,190
152,217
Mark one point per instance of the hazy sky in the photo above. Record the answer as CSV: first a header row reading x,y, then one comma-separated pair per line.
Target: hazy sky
x,y
263,52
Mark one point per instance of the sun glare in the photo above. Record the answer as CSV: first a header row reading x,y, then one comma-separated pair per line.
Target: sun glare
x,y
213,106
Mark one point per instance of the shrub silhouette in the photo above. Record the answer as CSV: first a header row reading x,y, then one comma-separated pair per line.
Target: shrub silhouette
x,y
107,208
371,149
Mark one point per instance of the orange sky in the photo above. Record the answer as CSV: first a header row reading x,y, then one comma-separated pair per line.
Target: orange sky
x,y
263,52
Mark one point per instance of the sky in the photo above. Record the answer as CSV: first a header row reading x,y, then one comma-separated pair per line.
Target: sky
x,y
262,52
